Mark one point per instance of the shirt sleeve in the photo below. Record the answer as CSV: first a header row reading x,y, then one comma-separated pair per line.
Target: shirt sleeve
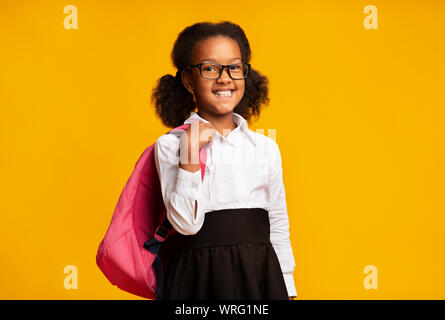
x,y
279,220
180,188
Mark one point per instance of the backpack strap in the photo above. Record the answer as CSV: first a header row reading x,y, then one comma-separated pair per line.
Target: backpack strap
x,y
163,230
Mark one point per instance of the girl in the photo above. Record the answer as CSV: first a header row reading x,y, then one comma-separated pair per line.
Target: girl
x,y
233,223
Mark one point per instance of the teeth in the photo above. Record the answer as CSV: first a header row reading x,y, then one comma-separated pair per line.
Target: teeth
x,y
224,93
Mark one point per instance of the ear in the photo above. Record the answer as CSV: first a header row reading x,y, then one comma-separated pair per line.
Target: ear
x,y
186,78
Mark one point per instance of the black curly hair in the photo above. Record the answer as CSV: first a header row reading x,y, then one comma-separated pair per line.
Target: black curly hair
x,y
172,100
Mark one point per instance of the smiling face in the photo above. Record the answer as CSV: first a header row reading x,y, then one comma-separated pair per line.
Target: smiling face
x,y
222,50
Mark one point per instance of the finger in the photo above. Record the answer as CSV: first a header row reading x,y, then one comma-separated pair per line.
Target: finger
x,y
206,133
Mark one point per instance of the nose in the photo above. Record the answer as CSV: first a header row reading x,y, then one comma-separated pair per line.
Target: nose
x,y
225,77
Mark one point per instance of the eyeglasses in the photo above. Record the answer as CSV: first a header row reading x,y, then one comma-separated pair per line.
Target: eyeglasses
x,y
236,71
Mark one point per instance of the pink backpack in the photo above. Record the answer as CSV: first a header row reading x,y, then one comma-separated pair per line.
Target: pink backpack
x,y
130,255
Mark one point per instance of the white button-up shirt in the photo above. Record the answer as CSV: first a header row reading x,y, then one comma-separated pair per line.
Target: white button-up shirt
x,y
243,170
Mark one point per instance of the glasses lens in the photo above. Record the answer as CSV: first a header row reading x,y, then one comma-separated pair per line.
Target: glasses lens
x,y
210,70
239,70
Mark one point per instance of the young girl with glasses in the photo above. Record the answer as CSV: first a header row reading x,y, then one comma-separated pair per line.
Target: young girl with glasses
x,y
232,222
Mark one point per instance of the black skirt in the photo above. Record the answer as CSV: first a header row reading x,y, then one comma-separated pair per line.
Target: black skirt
x,y
230,258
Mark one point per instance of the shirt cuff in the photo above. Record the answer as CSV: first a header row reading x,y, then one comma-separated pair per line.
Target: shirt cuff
x,y
188,183
290,285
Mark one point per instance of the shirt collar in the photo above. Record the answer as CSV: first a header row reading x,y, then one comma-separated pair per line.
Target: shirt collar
x,y
237,118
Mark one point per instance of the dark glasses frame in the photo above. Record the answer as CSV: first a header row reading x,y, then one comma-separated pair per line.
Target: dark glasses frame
x,y
223,66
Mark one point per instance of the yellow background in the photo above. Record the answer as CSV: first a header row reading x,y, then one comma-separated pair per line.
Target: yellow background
x,y
359,116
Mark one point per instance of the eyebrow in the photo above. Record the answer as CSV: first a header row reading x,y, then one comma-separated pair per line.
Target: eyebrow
x,y
213,60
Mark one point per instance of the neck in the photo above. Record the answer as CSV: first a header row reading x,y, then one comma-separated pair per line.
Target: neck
x,y
220,122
